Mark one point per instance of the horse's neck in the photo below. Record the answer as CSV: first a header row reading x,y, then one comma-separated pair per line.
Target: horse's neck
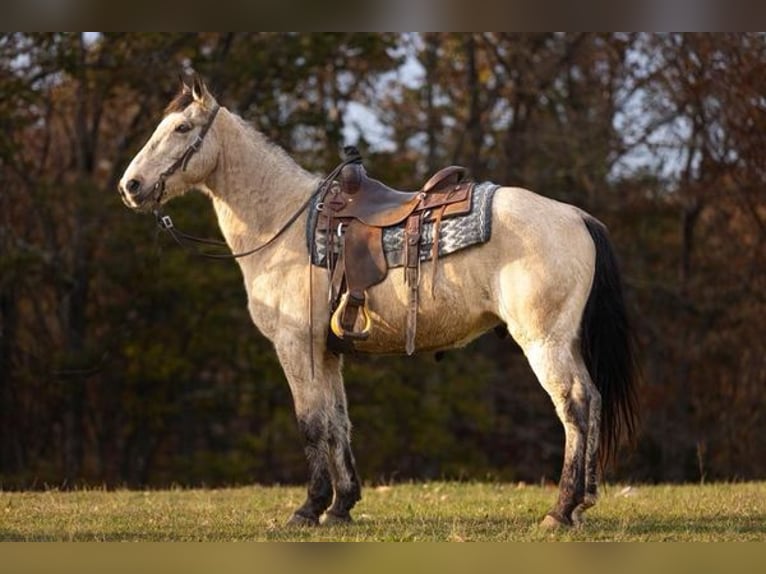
x,y
256,187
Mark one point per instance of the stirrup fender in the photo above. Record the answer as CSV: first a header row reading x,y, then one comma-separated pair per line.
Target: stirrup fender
x,y
337,316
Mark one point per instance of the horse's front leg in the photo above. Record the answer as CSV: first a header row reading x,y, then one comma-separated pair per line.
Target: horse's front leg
x,y
319,495
320,407
342,465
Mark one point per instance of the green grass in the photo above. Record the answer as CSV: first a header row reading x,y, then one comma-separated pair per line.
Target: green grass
x,y
406,512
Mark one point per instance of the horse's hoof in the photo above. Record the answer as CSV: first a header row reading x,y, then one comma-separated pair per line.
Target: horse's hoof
x,y
550,522
578,518
300,521
332,519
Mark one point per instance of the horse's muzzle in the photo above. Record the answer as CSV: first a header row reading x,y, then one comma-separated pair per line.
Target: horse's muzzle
x,y
137,195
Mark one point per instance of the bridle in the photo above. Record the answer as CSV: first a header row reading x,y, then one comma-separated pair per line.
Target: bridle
x,y
183,160
165,223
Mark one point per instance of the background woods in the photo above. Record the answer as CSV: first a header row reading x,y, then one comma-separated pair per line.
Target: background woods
x,y
123,361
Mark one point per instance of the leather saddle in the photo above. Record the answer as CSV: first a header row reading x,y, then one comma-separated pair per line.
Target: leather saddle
x,y
354,212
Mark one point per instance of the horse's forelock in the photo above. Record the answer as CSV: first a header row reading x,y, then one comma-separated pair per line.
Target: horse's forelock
x,y
180,102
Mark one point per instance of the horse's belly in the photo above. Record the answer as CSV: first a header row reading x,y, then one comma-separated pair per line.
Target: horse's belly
x,y
460,309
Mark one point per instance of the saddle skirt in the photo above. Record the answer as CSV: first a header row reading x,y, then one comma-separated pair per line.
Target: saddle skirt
x,y
455,233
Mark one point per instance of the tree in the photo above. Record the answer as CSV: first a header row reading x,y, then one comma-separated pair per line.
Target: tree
x,y
122,361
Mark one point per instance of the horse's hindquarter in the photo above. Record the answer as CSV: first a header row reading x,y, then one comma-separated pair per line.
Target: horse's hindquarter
x,y
534,274
546,265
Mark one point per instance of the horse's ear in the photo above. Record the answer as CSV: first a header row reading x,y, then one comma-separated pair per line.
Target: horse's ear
x,y
185,88
199,90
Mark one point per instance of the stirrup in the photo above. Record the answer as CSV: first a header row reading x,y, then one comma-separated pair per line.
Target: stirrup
x,y
337,328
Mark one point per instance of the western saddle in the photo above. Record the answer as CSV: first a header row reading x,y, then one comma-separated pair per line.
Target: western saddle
x,y
354,212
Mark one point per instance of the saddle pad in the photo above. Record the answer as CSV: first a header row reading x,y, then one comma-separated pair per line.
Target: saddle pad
x,y
455,233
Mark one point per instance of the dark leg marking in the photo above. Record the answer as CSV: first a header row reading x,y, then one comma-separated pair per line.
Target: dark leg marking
x,y
347,487
320,483
572,483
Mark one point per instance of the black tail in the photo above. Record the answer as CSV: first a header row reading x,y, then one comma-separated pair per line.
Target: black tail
x,y
608,346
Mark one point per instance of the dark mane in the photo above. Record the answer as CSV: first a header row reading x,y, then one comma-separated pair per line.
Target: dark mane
x,y
180,102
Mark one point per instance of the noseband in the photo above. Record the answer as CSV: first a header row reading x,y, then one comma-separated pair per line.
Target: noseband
x,y
183,161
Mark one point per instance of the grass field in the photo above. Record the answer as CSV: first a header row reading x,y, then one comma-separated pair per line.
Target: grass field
x,y
406,512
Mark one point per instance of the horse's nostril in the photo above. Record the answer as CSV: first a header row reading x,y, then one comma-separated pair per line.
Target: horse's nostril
x,y
133,186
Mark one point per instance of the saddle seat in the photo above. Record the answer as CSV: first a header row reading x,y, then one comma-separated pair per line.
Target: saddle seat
x,y
354,212
376,204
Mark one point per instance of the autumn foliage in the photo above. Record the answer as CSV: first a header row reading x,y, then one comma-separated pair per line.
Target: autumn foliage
x,y
125,361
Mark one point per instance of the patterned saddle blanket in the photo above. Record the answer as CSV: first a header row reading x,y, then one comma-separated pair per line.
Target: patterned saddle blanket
x,y
455,233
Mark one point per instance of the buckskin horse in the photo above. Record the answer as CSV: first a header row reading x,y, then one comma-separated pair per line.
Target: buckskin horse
x,y
548,274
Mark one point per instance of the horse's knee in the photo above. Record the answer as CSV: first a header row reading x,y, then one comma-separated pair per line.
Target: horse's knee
x,y
313,429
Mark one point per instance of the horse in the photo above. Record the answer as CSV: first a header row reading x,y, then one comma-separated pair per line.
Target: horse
x,y
548,274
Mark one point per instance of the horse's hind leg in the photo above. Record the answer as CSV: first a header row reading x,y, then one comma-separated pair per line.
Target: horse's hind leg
x,y
557,369
592,444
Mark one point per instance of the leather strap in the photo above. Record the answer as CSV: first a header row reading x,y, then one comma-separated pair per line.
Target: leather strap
x,y
437,217
412,276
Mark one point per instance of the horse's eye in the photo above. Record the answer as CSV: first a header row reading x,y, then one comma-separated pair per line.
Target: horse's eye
x,y
183,128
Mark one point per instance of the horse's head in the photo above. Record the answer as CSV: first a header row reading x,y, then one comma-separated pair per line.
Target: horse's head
x,y
180,154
